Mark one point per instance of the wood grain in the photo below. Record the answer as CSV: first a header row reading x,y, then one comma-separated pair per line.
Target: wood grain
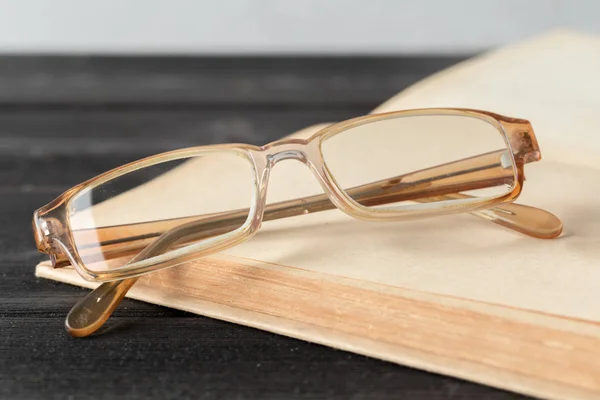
x,y
146,81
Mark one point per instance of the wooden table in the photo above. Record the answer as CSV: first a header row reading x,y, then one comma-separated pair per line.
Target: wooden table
x,y
63,120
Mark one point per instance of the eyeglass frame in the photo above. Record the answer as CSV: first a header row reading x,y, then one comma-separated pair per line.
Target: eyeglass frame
x,y
54,236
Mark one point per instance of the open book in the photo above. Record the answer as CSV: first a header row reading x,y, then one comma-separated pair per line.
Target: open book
x,y
454,294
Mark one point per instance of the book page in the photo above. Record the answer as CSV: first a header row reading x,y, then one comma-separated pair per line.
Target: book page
x,y
553,81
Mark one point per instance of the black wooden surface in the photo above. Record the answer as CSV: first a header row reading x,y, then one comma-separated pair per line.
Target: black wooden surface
x,y
63,120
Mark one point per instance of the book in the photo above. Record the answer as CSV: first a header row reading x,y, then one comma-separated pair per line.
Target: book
x,y
453,295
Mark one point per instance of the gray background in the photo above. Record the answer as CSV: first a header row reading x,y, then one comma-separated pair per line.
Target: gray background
x,y
282,26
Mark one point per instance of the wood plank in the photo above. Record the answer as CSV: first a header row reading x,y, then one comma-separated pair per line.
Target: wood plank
x,y
35,133
274,81
177,356
89,142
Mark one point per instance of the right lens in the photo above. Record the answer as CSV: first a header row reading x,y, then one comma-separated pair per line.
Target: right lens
x,y
115,220
400,162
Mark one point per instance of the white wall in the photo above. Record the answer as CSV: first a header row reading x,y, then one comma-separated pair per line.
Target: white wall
x,y
282,26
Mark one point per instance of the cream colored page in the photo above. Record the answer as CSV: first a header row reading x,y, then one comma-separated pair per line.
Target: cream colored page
x,y
553,81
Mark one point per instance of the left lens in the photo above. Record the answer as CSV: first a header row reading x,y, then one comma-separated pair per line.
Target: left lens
x,y
202,196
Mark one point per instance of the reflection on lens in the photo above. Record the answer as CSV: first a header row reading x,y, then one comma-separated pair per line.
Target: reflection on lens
x,y
418,162
114,221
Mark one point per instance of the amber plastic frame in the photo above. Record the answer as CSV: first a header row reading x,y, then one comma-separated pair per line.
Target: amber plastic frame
x,y
54,236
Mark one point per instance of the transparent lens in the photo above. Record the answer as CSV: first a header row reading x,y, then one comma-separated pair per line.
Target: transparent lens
x,y
419,162
210,195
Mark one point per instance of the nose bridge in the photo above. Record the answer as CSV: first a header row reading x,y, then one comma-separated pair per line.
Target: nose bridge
x,y
297,150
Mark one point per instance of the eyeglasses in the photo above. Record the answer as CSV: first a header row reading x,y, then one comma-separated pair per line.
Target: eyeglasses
x,y
171,208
